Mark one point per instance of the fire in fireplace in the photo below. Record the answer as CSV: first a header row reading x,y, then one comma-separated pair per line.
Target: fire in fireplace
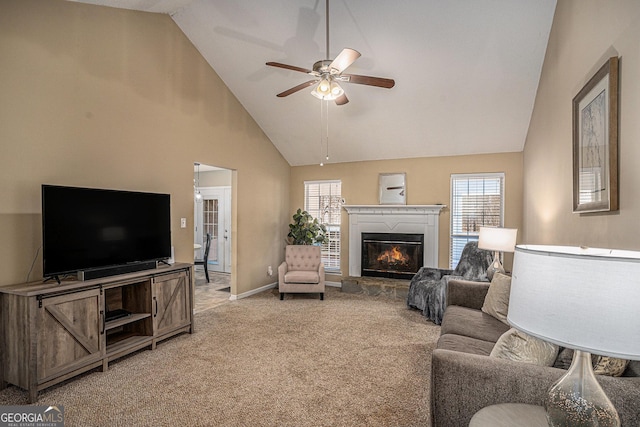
x,y
392,255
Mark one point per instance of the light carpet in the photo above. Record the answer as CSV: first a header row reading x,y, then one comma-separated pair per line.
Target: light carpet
x,y
350,360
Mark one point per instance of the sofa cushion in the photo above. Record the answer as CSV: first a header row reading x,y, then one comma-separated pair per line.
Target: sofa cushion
x,y
521,347
302,276
496,303
633,369
464,344
564,358
472,323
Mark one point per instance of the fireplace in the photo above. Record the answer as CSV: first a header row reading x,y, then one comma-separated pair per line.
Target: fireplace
x,y
410,219
392,255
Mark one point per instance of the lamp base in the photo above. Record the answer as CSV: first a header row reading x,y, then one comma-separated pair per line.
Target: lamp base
x,y
495,267
577,400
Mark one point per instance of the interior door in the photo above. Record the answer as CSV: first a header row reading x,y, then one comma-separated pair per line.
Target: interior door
x,y
213,215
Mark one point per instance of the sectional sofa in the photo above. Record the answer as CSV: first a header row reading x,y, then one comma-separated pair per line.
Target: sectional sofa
x,y
465,378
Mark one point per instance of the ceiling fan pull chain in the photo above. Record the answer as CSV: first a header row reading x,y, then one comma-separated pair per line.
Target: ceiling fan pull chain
x,y
321,136
324,129
327,118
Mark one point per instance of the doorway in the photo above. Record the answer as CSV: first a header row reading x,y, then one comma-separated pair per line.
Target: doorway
x,y
212,216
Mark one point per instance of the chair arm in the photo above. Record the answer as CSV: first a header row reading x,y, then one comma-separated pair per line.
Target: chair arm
x,y
321,273
463,383
466,293
282,270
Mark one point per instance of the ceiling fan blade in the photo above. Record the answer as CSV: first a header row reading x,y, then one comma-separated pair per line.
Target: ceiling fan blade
x,y
288,67
342,99
368,80
344,59
296,88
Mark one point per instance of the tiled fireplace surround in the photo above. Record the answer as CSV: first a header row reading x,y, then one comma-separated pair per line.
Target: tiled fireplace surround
x,y
415,219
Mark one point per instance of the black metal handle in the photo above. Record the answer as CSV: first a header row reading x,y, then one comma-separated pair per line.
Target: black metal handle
x,y
104,322
156,301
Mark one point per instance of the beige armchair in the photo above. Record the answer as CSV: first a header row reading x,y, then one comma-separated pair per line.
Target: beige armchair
x,y
302,271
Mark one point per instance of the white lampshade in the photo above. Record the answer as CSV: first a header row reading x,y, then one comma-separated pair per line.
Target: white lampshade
x,y
583,298
497,239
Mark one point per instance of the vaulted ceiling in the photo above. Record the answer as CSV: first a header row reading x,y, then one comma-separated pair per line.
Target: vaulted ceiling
x,y
466,71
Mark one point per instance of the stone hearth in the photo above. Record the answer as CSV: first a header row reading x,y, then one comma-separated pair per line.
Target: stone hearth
x,y
375,286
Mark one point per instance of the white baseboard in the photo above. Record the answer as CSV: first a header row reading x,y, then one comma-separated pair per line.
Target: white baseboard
x,y
253,291
271,286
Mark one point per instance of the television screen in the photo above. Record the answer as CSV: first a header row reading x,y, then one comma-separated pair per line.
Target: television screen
x,y
85,228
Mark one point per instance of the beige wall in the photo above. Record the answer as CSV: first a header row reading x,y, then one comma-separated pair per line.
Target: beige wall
x,y
428,182
583,36
110,98
220,178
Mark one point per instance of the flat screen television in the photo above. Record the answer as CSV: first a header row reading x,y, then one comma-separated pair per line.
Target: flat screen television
x,y
88,228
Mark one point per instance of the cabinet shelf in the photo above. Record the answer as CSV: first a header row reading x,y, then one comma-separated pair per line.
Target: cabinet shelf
x,y
125,341
133,317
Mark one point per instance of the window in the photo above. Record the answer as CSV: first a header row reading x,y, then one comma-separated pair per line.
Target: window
x,y
476,201
323,200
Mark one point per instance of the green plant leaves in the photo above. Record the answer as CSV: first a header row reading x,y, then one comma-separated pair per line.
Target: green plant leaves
x,y
306,230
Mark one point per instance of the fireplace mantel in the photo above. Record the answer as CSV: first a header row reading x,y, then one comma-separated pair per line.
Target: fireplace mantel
x,y
418,219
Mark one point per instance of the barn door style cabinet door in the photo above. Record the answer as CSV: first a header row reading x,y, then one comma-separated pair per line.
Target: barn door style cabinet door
x,y
50,333
69,335
171,304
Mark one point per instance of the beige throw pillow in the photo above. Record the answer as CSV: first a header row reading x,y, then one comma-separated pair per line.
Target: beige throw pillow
x,y
496,303
520,347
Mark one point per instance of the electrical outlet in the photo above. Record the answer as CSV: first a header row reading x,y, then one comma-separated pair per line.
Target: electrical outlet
x,y
269,271
183,222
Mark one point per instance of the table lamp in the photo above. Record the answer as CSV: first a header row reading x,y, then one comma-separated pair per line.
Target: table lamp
x,y
554,290
497,240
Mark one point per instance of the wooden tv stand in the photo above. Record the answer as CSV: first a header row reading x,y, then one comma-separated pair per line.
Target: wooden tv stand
x,y
50,333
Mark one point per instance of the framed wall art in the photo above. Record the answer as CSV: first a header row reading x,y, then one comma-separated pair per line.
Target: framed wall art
x,y
393,190
595,142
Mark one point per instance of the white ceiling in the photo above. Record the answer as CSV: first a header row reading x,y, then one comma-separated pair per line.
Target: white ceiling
x,y
466,71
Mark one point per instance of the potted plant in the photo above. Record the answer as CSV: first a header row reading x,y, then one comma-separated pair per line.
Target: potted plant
x,y
306,230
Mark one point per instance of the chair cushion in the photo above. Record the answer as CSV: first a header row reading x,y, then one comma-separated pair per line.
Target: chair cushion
x,y
464,344
300,276
472,323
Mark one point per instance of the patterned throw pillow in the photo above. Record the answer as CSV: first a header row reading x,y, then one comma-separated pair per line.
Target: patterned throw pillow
x,y
605,365
496,303
602,365
520,347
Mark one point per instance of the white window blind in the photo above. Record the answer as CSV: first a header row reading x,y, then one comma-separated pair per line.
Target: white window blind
x,y
322,199
476,201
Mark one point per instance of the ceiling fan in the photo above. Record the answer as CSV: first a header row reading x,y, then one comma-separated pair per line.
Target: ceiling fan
x,y
329,73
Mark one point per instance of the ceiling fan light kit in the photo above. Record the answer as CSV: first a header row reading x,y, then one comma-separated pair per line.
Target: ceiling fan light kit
x,y
328,73
327,90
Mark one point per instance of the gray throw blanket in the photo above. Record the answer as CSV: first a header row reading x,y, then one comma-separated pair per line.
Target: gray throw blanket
x,y
428,288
